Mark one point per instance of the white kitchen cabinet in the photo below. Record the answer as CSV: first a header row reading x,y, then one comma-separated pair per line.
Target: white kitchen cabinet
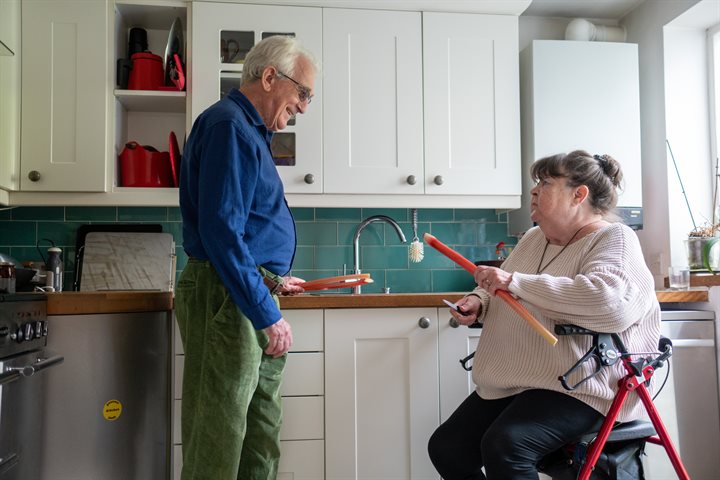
x,y
302,460
302,435
373,101
472,104
580,95
396,81
223,34
381,392
64,106
9,94
145,116
391,376
382,382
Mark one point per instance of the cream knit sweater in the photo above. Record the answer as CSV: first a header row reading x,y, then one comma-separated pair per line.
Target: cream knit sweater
x,y
599,282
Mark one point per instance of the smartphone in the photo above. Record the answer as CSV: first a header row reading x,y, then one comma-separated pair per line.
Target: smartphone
x,y
453,306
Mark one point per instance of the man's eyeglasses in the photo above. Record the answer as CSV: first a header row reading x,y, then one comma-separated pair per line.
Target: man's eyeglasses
x,y
303,92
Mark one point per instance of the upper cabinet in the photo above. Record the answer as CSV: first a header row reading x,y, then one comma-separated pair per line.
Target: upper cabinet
x,y
64,82
421,103
223,35
373,139
472,104
411,108
9,93
149,109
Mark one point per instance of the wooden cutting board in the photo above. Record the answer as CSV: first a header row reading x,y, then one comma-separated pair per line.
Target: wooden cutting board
x,y
128,261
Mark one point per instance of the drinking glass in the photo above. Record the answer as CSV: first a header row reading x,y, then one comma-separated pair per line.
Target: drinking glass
x,y
679,277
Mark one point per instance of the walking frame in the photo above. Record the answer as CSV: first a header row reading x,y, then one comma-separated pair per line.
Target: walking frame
x,y
607,349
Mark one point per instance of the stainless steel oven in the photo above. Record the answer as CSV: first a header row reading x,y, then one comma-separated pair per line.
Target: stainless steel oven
x,y
24,362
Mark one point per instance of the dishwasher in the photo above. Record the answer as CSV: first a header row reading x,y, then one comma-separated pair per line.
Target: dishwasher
x,y
689,403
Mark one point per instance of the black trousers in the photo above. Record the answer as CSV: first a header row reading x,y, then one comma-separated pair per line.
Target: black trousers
x,y
508,436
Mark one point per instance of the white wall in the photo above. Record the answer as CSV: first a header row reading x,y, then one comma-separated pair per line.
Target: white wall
x,y
645,27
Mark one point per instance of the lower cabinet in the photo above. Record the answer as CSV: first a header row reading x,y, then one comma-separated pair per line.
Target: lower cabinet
x,y
363,390
391,375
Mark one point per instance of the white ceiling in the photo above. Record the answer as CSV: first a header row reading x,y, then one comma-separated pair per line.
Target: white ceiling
x,y
607,9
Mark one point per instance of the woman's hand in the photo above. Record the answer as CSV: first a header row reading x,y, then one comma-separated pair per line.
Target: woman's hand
x,y
291,286
492,278
469,310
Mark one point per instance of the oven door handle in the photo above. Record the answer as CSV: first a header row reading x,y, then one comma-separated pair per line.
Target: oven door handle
x,y
8,462
13,373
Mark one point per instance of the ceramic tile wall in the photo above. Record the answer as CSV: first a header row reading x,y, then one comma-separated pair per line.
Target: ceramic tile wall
x,y
324,240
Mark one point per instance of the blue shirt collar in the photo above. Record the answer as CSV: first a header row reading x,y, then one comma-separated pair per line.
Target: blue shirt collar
x,y
246,105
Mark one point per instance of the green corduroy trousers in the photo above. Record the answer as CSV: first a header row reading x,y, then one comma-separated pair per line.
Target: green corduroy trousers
x,y
231,408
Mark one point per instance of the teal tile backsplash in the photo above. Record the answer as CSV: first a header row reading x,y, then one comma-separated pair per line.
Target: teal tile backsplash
x,y
324,240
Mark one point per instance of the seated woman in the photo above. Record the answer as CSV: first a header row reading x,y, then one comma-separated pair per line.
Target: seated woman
x,y
573,267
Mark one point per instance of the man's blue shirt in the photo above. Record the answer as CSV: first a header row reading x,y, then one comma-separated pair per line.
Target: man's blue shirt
x,y
233,204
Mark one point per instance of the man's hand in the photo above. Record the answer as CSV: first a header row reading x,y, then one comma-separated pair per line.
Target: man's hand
x,y
280,338
291,286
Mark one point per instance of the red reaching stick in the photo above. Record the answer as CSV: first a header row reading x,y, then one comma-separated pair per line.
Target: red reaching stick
x,y
503,294
343,281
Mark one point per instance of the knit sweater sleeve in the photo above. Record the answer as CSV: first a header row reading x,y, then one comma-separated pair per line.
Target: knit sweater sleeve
x,y
602,284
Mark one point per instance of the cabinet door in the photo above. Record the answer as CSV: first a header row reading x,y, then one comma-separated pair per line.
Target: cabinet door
x,y
301,460
381,392
472,108
222,36
64,95
373,101
456,342
9,93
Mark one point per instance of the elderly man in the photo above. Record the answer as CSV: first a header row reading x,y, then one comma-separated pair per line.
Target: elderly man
x,y
239,235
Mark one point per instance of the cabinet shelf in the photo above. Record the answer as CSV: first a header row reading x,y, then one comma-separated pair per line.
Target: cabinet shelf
x,y
152,100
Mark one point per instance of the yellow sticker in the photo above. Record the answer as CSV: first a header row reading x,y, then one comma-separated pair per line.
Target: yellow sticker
x,y
112,410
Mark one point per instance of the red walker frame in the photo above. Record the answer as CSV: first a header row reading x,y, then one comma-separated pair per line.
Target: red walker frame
x,y
637,376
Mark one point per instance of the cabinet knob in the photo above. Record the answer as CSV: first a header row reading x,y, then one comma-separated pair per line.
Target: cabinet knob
x,y
424,322
411,180
309,178
453,323
34,176
438,180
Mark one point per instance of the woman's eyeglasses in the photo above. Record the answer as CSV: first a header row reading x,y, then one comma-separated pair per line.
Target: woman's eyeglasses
x,y
303,92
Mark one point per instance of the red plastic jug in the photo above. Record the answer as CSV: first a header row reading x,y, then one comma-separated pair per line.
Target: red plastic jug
x,y
144,166
147,72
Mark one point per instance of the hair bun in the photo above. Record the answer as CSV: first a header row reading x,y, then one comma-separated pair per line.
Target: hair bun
x,y
610,167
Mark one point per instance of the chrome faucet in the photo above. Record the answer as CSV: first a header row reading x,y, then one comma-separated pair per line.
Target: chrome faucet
x,y
356,240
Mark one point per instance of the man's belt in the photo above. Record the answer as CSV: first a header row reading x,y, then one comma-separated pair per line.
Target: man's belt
x,y
272,281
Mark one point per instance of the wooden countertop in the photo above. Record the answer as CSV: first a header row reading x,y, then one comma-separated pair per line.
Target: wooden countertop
x,y
79,303
379,300
693,294
368,300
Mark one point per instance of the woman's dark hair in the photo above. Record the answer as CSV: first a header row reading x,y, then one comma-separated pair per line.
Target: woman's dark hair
x,y
600,173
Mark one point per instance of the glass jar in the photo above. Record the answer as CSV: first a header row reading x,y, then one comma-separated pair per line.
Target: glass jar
x,y
7,277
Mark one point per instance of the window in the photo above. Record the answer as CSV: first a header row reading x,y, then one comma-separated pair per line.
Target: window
x,y
714,97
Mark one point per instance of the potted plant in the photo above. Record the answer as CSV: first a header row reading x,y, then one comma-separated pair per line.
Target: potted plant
x,y
701,254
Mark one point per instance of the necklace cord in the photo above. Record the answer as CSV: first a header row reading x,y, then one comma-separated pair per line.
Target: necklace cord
x,y
540,268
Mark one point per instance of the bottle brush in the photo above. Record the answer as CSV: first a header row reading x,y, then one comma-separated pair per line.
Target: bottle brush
x,y
416,247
